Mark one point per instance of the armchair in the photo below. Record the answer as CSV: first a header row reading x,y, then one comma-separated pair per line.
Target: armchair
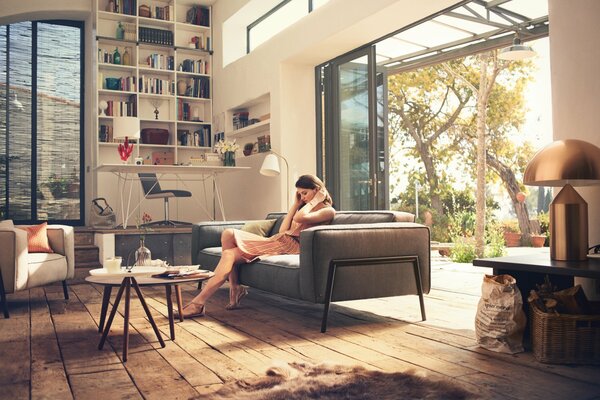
x,y
21,270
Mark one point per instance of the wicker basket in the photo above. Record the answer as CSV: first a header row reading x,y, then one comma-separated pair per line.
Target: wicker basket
x,y
565,338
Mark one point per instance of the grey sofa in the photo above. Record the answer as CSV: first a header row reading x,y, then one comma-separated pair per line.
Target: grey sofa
x,y
359,255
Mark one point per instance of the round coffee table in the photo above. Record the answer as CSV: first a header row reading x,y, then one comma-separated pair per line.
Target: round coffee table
x,y
125,281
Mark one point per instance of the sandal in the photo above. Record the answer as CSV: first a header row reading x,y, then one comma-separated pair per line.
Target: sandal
x,y
238,298
192,315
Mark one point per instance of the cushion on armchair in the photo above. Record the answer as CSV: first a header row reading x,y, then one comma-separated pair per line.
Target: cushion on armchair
x,y
37,238
7,224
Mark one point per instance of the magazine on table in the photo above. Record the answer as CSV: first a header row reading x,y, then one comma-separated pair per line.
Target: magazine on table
x,y
184,272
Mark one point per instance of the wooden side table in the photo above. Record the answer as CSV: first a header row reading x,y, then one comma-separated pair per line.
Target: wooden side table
x,y
125,282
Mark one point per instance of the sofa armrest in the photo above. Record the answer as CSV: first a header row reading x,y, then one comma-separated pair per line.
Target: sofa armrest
x,y
62,241
13,259
208,234
322,244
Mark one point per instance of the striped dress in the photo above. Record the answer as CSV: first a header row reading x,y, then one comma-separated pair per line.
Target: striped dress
x,y
254,246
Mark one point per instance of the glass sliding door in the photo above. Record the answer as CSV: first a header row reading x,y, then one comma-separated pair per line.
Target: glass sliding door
x,y
41,122
352,132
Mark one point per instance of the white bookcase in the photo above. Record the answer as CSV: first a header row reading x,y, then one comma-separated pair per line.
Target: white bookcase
x,y
169,70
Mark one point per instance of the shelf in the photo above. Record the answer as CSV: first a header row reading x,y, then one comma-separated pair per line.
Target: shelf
x,y
164,121
253,129
154,22
156,71
189,50
192,98
116,67
157,96
191,27
162,146
193,123
116,16
116,92
118,42
193,148
192,74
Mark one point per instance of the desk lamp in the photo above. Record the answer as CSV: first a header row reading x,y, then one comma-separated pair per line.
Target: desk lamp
x,y
126,127
270,167
566,163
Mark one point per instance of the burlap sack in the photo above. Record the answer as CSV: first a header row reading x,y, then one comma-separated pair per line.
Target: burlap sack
x,y
500,320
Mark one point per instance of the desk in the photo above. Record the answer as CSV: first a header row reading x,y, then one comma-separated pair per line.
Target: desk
x,y
202,173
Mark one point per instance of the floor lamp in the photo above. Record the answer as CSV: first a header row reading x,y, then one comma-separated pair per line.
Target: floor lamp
x,y
566,163
270,167
127,128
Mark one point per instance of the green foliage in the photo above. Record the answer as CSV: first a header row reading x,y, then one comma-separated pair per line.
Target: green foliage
x,y
511,225
494,240
463,250
544,219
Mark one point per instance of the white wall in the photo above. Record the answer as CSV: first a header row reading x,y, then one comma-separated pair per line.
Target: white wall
x,y
575,62
284,67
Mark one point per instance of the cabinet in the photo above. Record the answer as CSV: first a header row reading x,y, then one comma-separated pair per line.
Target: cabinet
x,y
154,61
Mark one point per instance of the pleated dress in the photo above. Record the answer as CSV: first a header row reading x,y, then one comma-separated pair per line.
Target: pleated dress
x,y
254,246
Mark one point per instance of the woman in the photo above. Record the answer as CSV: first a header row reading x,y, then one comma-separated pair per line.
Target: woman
x,y
312,206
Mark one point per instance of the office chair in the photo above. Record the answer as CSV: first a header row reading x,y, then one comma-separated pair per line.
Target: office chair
x,y
152,190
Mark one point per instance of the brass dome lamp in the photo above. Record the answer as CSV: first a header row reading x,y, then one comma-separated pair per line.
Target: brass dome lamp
x,y
566,163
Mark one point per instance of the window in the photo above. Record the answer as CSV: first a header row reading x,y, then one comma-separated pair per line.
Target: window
x,y
41,121
277,19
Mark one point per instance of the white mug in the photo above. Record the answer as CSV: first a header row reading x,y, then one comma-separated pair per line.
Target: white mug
x,y
113,265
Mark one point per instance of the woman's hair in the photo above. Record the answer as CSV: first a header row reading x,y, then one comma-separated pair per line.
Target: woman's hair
x,y
312,182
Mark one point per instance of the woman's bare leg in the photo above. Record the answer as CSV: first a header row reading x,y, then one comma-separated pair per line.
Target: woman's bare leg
x,y
228,259
228,242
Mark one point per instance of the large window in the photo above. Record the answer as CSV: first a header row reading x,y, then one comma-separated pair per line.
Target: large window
x,y
41,121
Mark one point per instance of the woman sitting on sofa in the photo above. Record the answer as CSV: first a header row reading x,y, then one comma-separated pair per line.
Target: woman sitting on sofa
x,y
312,206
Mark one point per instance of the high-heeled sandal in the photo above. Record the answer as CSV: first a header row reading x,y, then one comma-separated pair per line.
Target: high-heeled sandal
x,y
197,314
238,298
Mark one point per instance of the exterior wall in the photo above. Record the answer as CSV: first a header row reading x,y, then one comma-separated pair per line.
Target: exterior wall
x,y
575,62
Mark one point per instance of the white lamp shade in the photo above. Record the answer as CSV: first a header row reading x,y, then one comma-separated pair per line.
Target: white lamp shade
x,y
516,52
270,166
126,127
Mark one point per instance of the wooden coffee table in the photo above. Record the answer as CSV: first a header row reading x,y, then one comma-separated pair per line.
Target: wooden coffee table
x,y
125,281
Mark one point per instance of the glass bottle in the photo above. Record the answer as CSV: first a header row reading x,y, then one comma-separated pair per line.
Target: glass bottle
x,y
143,256
116,56
126,58
120,31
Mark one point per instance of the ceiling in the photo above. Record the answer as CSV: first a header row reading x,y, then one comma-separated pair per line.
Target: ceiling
x,y
471,26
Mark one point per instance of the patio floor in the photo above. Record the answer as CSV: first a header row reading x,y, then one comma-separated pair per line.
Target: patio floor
x,y
49,346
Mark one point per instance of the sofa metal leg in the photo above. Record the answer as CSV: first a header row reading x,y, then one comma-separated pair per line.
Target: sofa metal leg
x,y
328,293
65,289
3,298
353,262
417,270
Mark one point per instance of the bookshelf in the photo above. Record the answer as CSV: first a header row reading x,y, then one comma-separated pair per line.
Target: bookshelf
x,y
161,74
250,123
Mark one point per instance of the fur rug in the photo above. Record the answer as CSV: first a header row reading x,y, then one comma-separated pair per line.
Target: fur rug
x,y
303,381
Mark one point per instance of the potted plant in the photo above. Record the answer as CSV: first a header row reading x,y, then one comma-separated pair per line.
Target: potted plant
x,y
512,235
538,240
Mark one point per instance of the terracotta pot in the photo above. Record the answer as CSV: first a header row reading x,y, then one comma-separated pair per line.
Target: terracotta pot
x,y
512,239
537,240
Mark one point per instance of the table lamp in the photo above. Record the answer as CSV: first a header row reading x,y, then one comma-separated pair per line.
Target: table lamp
x,y
128,128
270,167
566,163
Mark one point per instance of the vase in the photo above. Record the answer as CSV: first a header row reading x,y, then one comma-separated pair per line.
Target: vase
x,y
143,255
229,159
512,239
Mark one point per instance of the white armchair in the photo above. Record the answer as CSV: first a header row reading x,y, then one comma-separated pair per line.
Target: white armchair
x,y
21,270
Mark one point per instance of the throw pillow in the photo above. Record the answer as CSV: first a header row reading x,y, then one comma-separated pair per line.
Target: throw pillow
x,y
261,227
37,238
7,224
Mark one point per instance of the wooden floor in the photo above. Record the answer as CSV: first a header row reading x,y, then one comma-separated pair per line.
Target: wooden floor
x,y
49,349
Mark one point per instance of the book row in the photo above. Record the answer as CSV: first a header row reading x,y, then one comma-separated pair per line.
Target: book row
x,y
155,36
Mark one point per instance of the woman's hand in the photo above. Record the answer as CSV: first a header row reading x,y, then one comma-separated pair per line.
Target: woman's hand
x,y
319,197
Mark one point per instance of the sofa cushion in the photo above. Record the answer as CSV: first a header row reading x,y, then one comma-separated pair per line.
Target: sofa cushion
x,y
45,268
37,238
261,227
363,217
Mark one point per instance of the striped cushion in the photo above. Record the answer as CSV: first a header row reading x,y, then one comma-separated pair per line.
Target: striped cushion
x,y
37,238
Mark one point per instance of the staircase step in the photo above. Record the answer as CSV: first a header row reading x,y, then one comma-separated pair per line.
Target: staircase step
x,y
84,238
90,264
86,254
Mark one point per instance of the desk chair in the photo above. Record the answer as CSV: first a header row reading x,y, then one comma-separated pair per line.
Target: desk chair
x,y
152,190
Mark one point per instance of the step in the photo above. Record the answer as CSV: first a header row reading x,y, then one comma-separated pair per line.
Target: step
x,y
86,254
83,237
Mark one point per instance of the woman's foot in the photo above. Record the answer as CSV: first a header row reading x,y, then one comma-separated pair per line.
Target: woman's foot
x,y
236,297
193,310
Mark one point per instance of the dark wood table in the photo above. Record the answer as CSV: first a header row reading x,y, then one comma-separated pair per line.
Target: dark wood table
x,y
530,270
125,282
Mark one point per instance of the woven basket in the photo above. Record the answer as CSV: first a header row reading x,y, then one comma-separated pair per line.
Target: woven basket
x,y
565,338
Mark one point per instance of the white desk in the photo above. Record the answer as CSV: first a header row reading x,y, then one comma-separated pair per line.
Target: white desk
x,y
163,172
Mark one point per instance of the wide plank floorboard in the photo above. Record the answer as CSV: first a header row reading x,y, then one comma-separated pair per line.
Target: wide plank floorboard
x,y
49,346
